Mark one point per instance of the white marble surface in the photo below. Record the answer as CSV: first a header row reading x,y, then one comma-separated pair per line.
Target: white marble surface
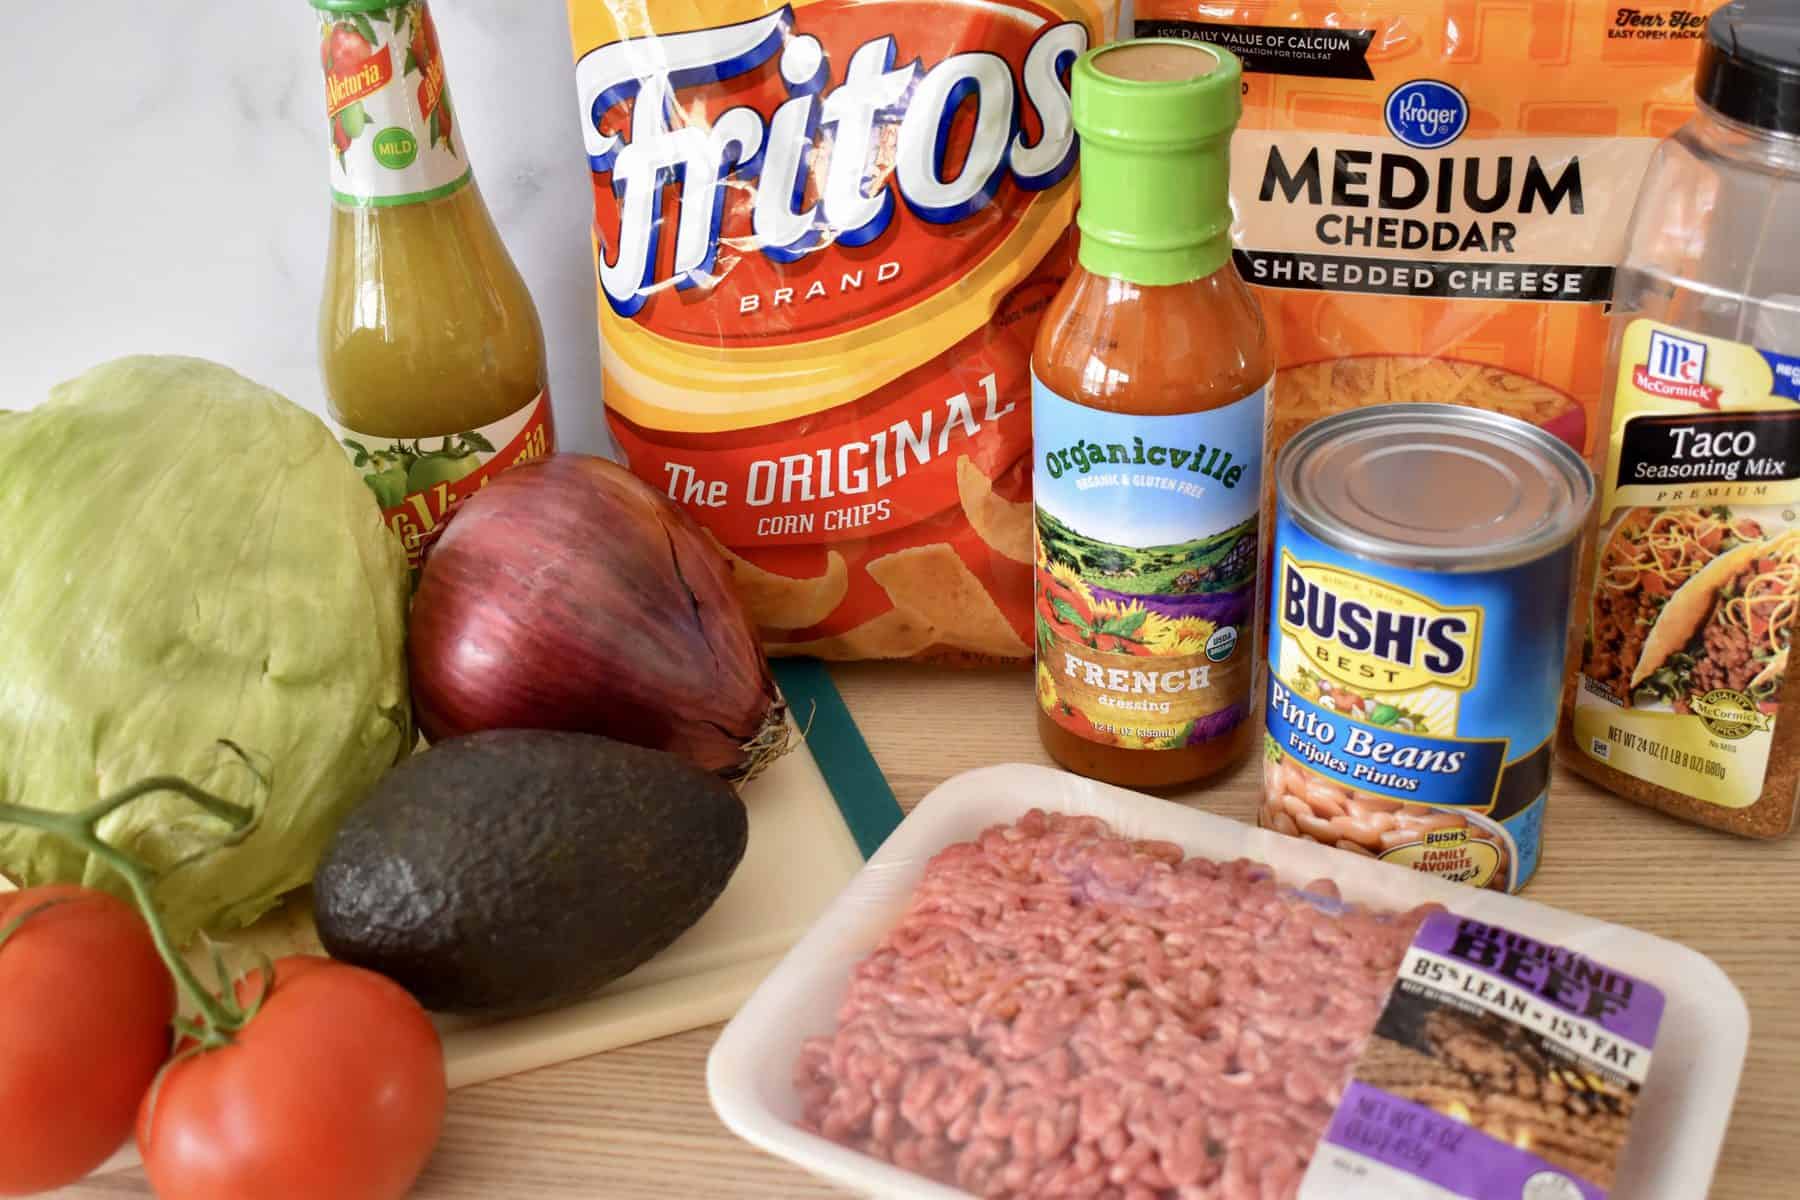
x,y
165,187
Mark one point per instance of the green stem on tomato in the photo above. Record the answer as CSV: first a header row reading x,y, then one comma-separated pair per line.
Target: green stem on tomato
x,y
17,923
220,1017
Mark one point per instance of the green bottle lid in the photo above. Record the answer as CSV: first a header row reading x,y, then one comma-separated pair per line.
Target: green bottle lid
x,y
1155,117
355,6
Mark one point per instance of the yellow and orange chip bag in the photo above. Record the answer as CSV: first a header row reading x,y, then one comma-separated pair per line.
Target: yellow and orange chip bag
x,y
825,232
1432,194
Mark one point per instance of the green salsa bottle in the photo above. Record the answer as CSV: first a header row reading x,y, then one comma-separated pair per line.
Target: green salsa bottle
x,y
429,343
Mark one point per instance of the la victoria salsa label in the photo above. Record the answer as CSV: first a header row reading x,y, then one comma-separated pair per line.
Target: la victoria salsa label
x,y
393,132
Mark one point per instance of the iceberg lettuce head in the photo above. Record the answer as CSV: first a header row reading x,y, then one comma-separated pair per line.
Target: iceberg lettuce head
x,y
193,581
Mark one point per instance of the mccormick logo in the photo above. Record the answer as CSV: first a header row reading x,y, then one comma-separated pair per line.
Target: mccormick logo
x,y
358,81
1373,635
1427,114
778,138
1676,370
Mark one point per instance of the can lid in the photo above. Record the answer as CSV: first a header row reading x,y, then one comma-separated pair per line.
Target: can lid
x,y
1750,65
1435,486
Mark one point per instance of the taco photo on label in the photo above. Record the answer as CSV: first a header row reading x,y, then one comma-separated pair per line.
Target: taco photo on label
x,y
1728,629
1649,556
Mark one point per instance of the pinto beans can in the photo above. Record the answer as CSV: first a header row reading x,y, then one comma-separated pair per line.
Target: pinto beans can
x,y
1423,569
824,235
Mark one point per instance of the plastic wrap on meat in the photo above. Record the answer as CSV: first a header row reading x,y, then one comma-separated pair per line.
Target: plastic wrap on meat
x,y
1064,1012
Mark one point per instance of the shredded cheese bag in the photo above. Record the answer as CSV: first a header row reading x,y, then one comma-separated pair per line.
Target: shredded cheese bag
x,y
1432,194
824,234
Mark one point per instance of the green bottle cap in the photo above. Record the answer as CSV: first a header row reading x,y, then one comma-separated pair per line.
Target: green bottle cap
x,y
354,6
1155,117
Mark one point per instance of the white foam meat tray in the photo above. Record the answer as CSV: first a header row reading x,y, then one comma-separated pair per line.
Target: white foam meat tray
x,y
1681,1113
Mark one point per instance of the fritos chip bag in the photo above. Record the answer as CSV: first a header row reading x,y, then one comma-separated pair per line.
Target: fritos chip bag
x,y
1432,194
825,232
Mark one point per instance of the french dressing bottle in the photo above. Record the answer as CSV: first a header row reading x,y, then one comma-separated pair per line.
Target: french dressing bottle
x,y
430,346
1150,413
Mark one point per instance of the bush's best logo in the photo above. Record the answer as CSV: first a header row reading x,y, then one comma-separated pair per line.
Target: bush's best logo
x,y
1676,370
1427,114
792,133
1373,635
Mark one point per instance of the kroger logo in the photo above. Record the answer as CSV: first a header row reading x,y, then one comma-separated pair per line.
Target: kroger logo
x,y
1426,114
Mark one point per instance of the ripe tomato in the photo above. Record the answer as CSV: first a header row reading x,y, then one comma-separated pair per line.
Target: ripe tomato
x,y
344,49
335,1088
85,1006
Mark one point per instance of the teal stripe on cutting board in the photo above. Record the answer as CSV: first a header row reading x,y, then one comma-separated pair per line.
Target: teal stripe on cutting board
x,y
861,791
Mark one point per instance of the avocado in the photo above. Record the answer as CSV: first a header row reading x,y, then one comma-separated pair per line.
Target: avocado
x,y
508,872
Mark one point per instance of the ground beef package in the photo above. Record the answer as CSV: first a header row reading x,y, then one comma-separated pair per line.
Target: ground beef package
x,y
1431,194
824,234
1501,1068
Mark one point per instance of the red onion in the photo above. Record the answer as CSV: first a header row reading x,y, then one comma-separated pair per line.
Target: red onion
x,y
568,594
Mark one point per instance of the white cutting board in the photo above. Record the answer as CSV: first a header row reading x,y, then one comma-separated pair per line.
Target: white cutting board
x,y
800,856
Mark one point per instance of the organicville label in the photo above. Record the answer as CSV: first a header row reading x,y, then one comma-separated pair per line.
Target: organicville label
x,y
1697,582
393,133
1146,569
420,481
1410,711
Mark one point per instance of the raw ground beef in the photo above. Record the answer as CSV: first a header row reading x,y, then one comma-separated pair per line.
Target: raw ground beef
x,y
1728,663
1622,622
1062,1012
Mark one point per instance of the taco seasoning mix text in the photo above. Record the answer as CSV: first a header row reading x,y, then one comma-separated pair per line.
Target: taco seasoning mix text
x,y
1676,693
1424,564
1149,404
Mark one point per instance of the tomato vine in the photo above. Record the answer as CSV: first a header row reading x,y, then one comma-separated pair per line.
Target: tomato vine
x,y
219,1016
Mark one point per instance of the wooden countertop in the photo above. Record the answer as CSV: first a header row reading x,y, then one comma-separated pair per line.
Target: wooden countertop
x,y
635,1122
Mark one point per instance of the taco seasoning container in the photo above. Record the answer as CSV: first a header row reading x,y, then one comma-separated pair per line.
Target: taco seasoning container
x,y
429,343
1150,407
1679,672
1424,561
